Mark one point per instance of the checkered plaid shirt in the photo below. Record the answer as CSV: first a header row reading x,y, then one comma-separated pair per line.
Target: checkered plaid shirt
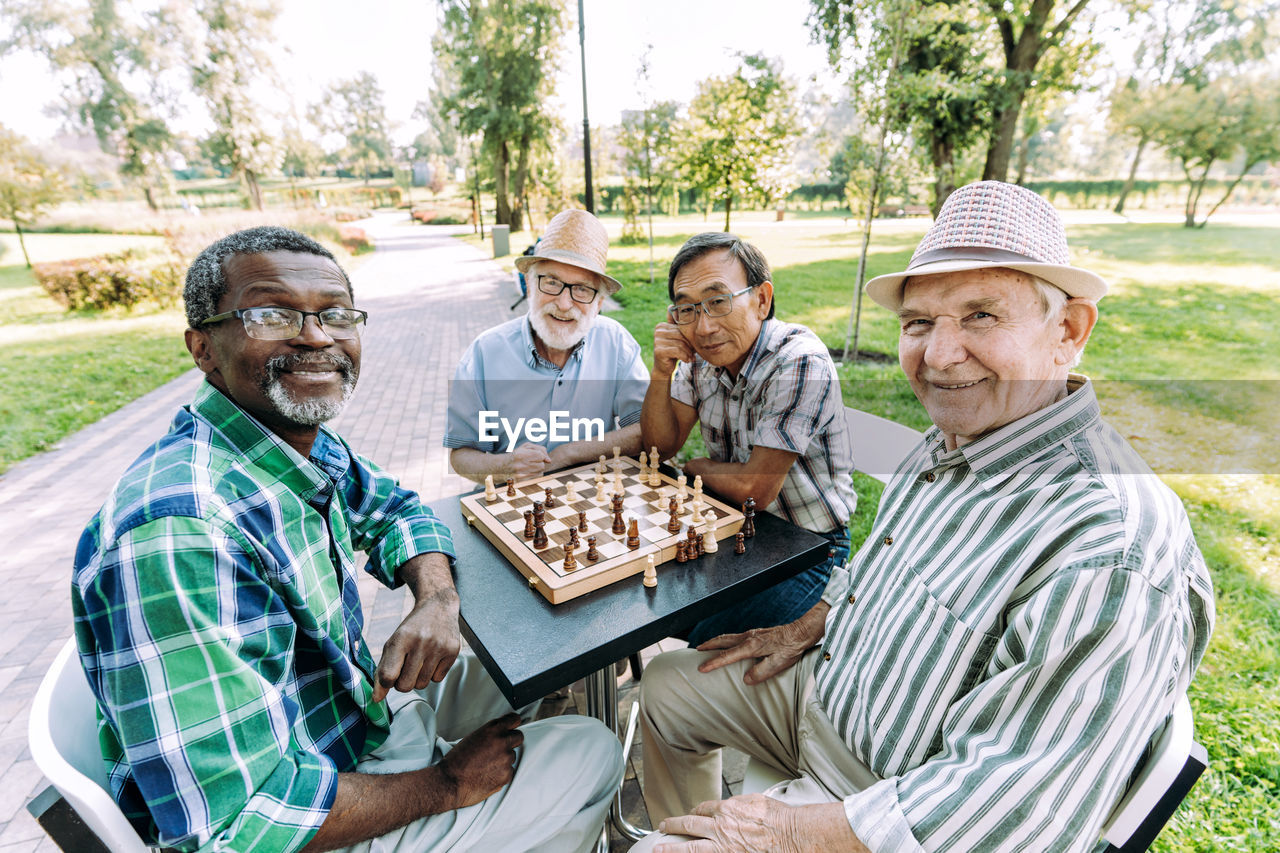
x,y
787,396
219,625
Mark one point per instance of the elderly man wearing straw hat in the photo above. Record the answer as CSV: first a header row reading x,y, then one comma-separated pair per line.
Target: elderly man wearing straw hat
x,y
559,386
987,670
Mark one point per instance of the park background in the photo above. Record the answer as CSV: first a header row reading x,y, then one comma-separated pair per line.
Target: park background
x,y
134,133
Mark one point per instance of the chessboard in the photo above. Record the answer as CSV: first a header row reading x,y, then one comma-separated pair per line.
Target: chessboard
x,y
502,522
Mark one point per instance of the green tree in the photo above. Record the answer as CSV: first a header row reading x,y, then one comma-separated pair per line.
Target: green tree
x,y
501,57
225,43
739,135
117,64
354,110
28,185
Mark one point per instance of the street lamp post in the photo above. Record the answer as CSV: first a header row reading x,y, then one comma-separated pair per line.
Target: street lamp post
x,y
586,125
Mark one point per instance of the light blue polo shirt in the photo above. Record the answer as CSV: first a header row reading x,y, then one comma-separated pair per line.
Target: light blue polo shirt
x,y
504,387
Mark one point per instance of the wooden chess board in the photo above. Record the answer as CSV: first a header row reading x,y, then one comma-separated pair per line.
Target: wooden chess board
x,y
502,523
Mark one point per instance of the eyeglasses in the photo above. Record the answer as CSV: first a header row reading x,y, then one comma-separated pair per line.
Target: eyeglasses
x,y
713,306
577,292
282,324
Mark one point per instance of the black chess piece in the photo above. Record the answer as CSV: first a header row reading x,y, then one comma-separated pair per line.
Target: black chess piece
x,y
592,553
570,562
511,488
539,535
673,525
582,522
551,502
528,524
749,518
633,535
682,556
691,547
739,543
619,526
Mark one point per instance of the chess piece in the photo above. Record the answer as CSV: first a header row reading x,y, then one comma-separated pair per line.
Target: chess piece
x,y
709,544
528,524
490,494
739,543
511,488
696,518
539,514
600,466
592,553
673,524
633,535
539,534
617,457
617,481
650,572
660,502
571,492
582,522
619,526
655,479
550,502
680,487
644,466
600,498
573,538
570,562
697,487
682,556
749,518
692,541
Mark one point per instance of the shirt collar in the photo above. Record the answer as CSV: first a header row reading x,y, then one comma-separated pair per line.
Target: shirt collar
x,y
269,453
535,357
1025,438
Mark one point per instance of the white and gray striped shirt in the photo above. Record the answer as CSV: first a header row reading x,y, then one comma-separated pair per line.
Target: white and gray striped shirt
x,y
1013,632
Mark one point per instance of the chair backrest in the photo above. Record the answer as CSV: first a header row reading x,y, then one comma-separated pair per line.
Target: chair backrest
x,y
63,734
879,444
1175,763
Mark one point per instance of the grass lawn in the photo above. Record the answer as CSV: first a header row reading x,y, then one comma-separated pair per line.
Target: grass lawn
x,y
1185,361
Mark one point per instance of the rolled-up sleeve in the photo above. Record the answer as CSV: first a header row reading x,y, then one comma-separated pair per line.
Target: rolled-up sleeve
x,y
182,631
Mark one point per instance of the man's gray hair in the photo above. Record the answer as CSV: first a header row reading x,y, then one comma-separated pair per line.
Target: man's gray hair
x,y
1052,299
207,283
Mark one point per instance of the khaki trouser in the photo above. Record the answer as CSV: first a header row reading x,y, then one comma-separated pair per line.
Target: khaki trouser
x,y
686,716
568,770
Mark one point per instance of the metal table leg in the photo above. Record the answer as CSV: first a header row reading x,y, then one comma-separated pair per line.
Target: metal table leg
x,y
602,703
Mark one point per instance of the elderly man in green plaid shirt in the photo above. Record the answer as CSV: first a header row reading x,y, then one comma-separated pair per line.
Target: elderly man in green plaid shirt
x,y
219,623
987,671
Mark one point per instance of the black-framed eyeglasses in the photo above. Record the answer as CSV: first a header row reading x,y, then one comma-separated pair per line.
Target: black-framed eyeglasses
x,y
584,293
713,306
281,324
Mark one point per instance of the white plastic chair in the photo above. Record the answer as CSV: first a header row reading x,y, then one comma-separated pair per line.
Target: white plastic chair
x,y
63,734
879,444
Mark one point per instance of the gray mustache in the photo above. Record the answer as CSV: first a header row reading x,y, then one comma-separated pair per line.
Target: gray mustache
x,y
280,363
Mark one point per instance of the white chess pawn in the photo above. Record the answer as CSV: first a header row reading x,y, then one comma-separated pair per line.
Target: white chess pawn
x,y
490,494
571,492
697,485
644,467
650,572
617,482
600,498
617,457
680,487
600,466
696,518
660,503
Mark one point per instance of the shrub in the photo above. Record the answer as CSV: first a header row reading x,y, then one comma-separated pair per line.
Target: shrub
x,y
109,281
354,240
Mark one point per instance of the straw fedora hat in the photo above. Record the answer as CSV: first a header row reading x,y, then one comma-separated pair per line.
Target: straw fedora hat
x,y
576,238
993,224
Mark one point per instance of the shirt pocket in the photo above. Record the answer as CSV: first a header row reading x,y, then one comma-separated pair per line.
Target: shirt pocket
x,y
912,660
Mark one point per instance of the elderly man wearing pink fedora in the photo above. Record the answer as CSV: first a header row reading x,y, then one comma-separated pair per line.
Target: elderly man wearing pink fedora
x,y
557,387
987,670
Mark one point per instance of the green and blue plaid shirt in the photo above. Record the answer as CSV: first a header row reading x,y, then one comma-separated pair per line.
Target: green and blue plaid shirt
x,y
219,625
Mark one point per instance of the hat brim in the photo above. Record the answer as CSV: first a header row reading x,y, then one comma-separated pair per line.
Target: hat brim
x,y
611,284
886,290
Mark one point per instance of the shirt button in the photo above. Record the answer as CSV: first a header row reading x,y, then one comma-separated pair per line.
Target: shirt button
x,y
929,478
888,540
851,599
826,655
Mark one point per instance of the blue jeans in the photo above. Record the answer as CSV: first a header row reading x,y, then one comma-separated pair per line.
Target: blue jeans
x,y
779,604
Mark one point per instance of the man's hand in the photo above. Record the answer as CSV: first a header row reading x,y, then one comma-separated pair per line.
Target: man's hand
x,y
483,761
529,460
777,648
669,348
422,649
756,822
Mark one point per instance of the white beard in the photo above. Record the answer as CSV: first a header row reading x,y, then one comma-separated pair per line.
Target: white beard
x,y
311,411
555,337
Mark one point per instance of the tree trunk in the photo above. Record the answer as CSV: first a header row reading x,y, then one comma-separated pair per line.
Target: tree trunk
x,y
1248,165
728,199
1133,174
1000,147
17,226
501,167
944,181
151,202
518,186
254,189
1024,154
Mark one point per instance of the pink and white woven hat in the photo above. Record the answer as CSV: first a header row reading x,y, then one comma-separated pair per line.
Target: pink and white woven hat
x,y
993,224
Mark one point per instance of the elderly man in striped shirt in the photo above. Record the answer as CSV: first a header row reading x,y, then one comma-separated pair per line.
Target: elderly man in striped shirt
x,y
987,670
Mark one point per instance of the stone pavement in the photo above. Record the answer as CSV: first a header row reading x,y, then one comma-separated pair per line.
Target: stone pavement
x,y
428,295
